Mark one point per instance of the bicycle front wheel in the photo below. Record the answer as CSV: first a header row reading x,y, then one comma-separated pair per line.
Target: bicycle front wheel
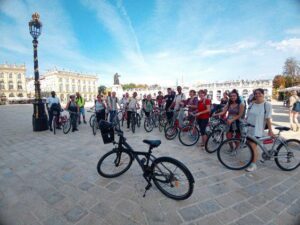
x,y
171,132
214,141
54,124
91,120
287,156
234,154
67,126
95,126
172,178
138,120
148,125
114,163
132,123
189,135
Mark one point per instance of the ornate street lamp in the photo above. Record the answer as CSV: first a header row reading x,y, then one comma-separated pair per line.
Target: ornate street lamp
x,y
39,117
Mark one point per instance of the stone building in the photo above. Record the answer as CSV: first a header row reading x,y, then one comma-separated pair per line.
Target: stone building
x,y
13,81
65,83
244,87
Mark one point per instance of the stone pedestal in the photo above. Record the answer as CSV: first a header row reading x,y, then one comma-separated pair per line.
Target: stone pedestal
x,y
118,89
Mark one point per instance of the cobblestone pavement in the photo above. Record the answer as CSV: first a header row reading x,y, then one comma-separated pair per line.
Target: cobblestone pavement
x,y
52,180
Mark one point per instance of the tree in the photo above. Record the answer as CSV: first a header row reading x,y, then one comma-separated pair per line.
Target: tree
x,y
101,89
291,67
279,82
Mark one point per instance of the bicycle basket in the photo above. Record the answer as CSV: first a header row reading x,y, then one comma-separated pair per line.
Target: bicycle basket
x,y
107,132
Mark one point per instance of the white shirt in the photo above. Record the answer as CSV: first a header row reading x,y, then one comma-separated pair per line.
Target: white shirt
x,y
178,98
132,104
112,103
51,100
257,115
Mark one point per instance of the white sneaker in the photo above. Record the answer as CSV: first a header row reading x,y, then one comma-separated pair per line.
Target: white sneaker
x,y
252,167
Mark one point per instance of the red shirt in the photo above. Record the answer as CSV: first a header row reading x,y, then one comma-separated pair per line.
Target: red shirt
x,y
202,106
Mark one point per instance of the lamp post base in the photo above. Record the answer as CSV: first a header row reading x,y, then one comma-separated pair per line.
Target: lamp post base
x,y
39,117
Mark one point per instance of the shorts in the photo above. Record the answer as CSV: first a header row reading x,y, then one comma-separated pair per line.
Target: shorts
x,y
82,111
202,125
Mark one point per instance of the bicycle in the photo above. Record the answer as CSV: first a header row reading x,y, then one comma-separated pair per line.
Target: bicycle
x,y
173,129
91,117
135,120
150,122
169,175
189,134
61,121
237,154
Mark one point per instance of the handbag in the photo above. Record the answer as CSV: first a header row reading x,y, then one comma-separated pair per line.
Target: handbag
x,y
296,106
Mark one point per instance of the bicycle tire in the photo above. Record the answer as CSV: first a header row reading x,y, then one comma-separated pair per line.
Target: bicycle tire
x,y
215,138
189,133
120,115
67,126
167,181
148,125
133,124
91,120
171,133
54,124
139,119
293,144
117,156
227,149
95,126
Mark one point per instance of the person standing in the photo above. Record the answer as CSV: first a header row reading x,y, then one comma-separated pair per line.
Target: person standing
x,y
169,99
133,105
259,115
192,102
100,108
53,106
148,105
293,111
203,114
80,102
112,103
159,100
74,111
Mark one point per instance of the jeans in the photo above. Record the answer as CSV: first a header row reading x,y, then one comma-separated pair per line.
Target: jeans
x,y
112,114
50,112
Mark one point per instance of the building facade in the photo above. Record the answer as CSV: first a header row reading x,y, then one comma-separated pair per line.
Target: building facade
x,y
13,81
65,83
245,87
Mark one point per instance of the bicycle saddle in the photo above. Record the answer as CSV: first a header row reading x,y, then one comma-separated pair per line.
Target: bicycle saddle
x,y
282,128
152,143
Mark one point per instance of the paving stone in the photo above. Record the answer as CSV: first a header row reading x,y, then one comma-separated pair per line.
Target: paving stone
x,y
294,209
210,220
113,186
56,220
243,181
280,188
228,215
85,186
190,213
209,206
264,214
286,198
243,208
75,214
53,198
230,199
249,220
258,200
219,189
276,206
101,209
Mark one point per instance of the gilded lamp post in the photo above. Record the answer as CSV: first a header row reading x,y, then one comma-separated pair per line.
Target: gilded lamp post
x,y
39,117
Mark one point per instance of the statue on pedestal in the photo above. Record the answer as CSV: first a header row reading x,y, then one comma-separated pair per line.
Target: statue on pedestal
x,y
116,79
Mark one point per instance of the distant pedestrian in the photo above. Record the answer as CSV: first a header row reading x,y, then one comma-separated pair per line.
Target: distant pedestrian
x,y
80,102
112,104
133,105
53,107
294,110
74,111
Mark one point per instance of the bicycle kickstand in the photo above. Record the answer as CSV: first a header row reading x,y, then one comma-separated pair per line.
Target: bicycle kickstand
x,y
149,185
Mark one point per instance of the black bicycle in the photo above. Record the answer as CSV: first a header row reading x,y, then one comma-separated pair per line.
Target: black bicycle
x,y
169,175
135,120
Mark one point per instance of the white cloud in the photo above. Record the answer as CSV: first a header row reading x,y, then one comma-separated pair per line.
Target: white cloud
x,y
293,31
292,44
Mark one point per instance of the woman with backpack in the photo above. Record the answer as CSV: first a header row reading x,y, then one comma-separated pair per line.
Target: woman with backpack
x,y
235,110
294,105
203,114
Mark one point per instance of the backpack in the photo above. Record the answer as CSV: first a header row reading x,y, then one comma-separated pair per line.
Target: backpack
x,y
296,106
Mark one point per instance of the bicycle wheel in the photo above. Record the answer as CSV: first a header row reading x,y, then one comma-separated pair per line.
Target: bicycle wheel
x,y
171,132
54,124
138,120
214,141
189,135
234,154
114,163
120,115
132,123
91,120
162,121
148,125
172,178
67,126
287,156
95,126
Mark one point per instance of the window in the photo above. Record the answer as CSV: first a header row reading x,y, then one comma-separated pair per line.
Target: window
x,y
19,85
10,85
60,79
11,95
60,88
89,89
10,75
2,87
67,88
84,88
19,76
73,81
20,95
79,88
1,75
73,88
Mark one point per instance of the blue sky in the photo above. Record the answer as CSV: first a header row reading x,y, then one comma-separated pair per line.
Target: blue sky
x,y
156,41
